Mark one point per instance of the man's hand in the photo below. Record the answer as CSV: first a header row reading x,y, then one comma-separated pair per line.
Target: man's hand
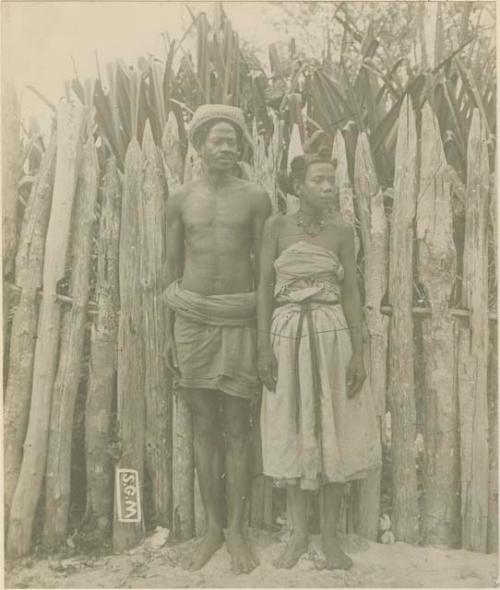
x,y
172,364
356,375
267,367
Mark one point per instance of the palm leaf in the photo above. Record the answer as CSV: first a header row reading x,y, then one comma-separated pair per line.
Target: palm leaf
x,y
275,62
385,131
472,90
104,120
389,85
203,68
236,70
219,70
45,100
352,98
228,62
457,116
168,73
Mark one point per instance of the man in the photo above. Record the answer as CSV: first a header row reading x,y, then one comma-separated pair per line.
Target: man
x,y
214,225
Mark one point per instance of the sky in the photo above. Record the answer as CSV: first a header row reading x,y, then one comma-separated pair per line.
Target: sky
x,y
40,40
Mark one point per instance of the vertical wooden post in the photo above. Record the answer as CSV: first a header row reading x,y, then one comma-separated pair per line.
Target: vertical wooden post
x,y
70,118
493,392
473,346
256,504
172,152
346,196
157,385
199,512
261,514
265,169
422,37
103,360
437,270
351,504
494,222
374,236
182,470
401,377
265,163
29,269
130,396
275,150
183,476
57,477
294,149
192,164
493,447
268,502
11,133
257,491
11,129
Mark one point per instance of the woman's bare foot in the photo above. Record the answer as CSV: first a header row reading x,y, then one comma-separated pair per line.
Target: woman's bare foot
x,y
296,547
243,556
335,558
203,551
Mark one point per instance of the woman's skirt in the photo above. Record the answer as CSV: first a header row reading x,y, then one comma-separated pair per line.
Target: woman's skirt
x,y
312,432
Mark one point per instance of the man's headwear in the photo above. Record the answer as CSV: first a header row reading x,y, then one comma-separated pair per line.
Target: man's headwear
x,y
208,112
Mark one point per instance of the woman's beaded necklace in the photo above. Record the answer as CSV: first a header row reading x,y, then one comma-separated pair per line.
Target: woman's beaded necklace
x,y
309,228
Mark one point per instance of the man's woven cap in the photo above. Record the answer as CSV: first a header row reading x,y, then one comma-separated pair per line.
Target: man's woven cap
x,y
208,112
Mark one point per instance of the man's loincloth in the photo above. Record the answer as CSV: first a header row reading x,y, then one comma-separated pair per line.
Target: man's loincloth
x,y
215,338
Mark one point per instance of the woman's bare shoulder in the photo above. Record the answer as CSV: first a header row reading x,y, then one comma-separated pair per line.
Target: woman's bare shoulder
x,y
345,229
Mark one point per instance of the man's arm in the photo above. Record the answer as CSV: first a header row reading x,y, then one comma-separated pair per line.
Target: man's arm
x,y
175,238
267,366
261,213
174,264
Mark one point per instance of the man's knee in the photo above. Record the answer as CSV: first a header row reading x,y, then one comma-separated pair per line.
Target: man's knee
x,y
237,420
204,426
205,412
236,432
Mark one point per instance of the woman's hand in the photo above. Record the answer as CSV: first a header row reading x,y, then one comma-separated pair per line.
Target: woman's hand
x,y
356,375
267,367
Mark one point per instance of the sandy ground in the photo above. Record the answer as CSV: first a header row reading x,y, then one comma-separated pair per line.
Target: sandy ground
x,y
375,565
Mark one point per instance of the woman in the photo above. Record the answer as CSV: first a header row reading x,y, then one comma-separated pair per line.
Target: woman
x,y
318,424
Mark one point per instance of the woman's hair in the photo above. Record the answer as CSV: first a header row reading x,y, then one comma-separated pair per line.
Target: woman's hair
x,y
299,167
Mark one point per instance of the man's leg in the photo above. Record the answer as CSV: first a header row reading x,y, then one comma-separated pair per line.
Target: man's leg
x,y
330,504
238,473
208,454
296,499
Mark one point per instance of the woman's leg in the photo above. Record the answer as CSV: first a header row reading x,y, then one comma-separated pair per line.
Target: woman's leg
x,y
330,504
298,543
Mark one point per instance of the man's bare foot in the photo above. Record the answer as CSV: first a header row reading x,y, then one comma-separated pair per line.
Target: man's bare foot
x,y
203,551
243,556
296,547
335,558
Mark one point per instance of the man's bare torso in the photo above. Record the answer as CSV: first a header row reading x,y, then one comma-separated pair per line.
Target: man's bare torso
x,y
218,226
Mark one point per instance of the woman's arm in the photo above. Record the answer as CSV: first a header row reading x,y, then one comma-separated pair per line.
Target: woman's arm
x,y
351,304
265,295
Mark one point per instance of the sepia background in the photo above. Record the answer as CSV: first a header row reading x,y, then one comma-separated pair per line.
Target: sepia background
x,y
96,99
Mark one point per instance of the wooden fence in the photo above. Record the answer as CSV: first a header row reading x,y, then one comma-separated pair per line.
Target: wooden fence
x,y
133,419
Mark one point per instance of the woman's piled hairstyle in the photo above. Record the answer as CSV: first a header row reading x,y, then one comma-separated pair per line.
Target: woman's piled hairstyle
x,y
299,166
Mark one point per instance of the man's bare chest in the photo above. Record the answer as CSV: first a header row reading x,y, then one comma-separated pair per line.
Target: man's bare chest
x,y
201,211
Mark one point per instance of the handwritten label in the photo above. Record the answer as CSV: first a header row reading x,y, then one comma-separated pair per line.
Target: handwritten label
x,y
128,497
